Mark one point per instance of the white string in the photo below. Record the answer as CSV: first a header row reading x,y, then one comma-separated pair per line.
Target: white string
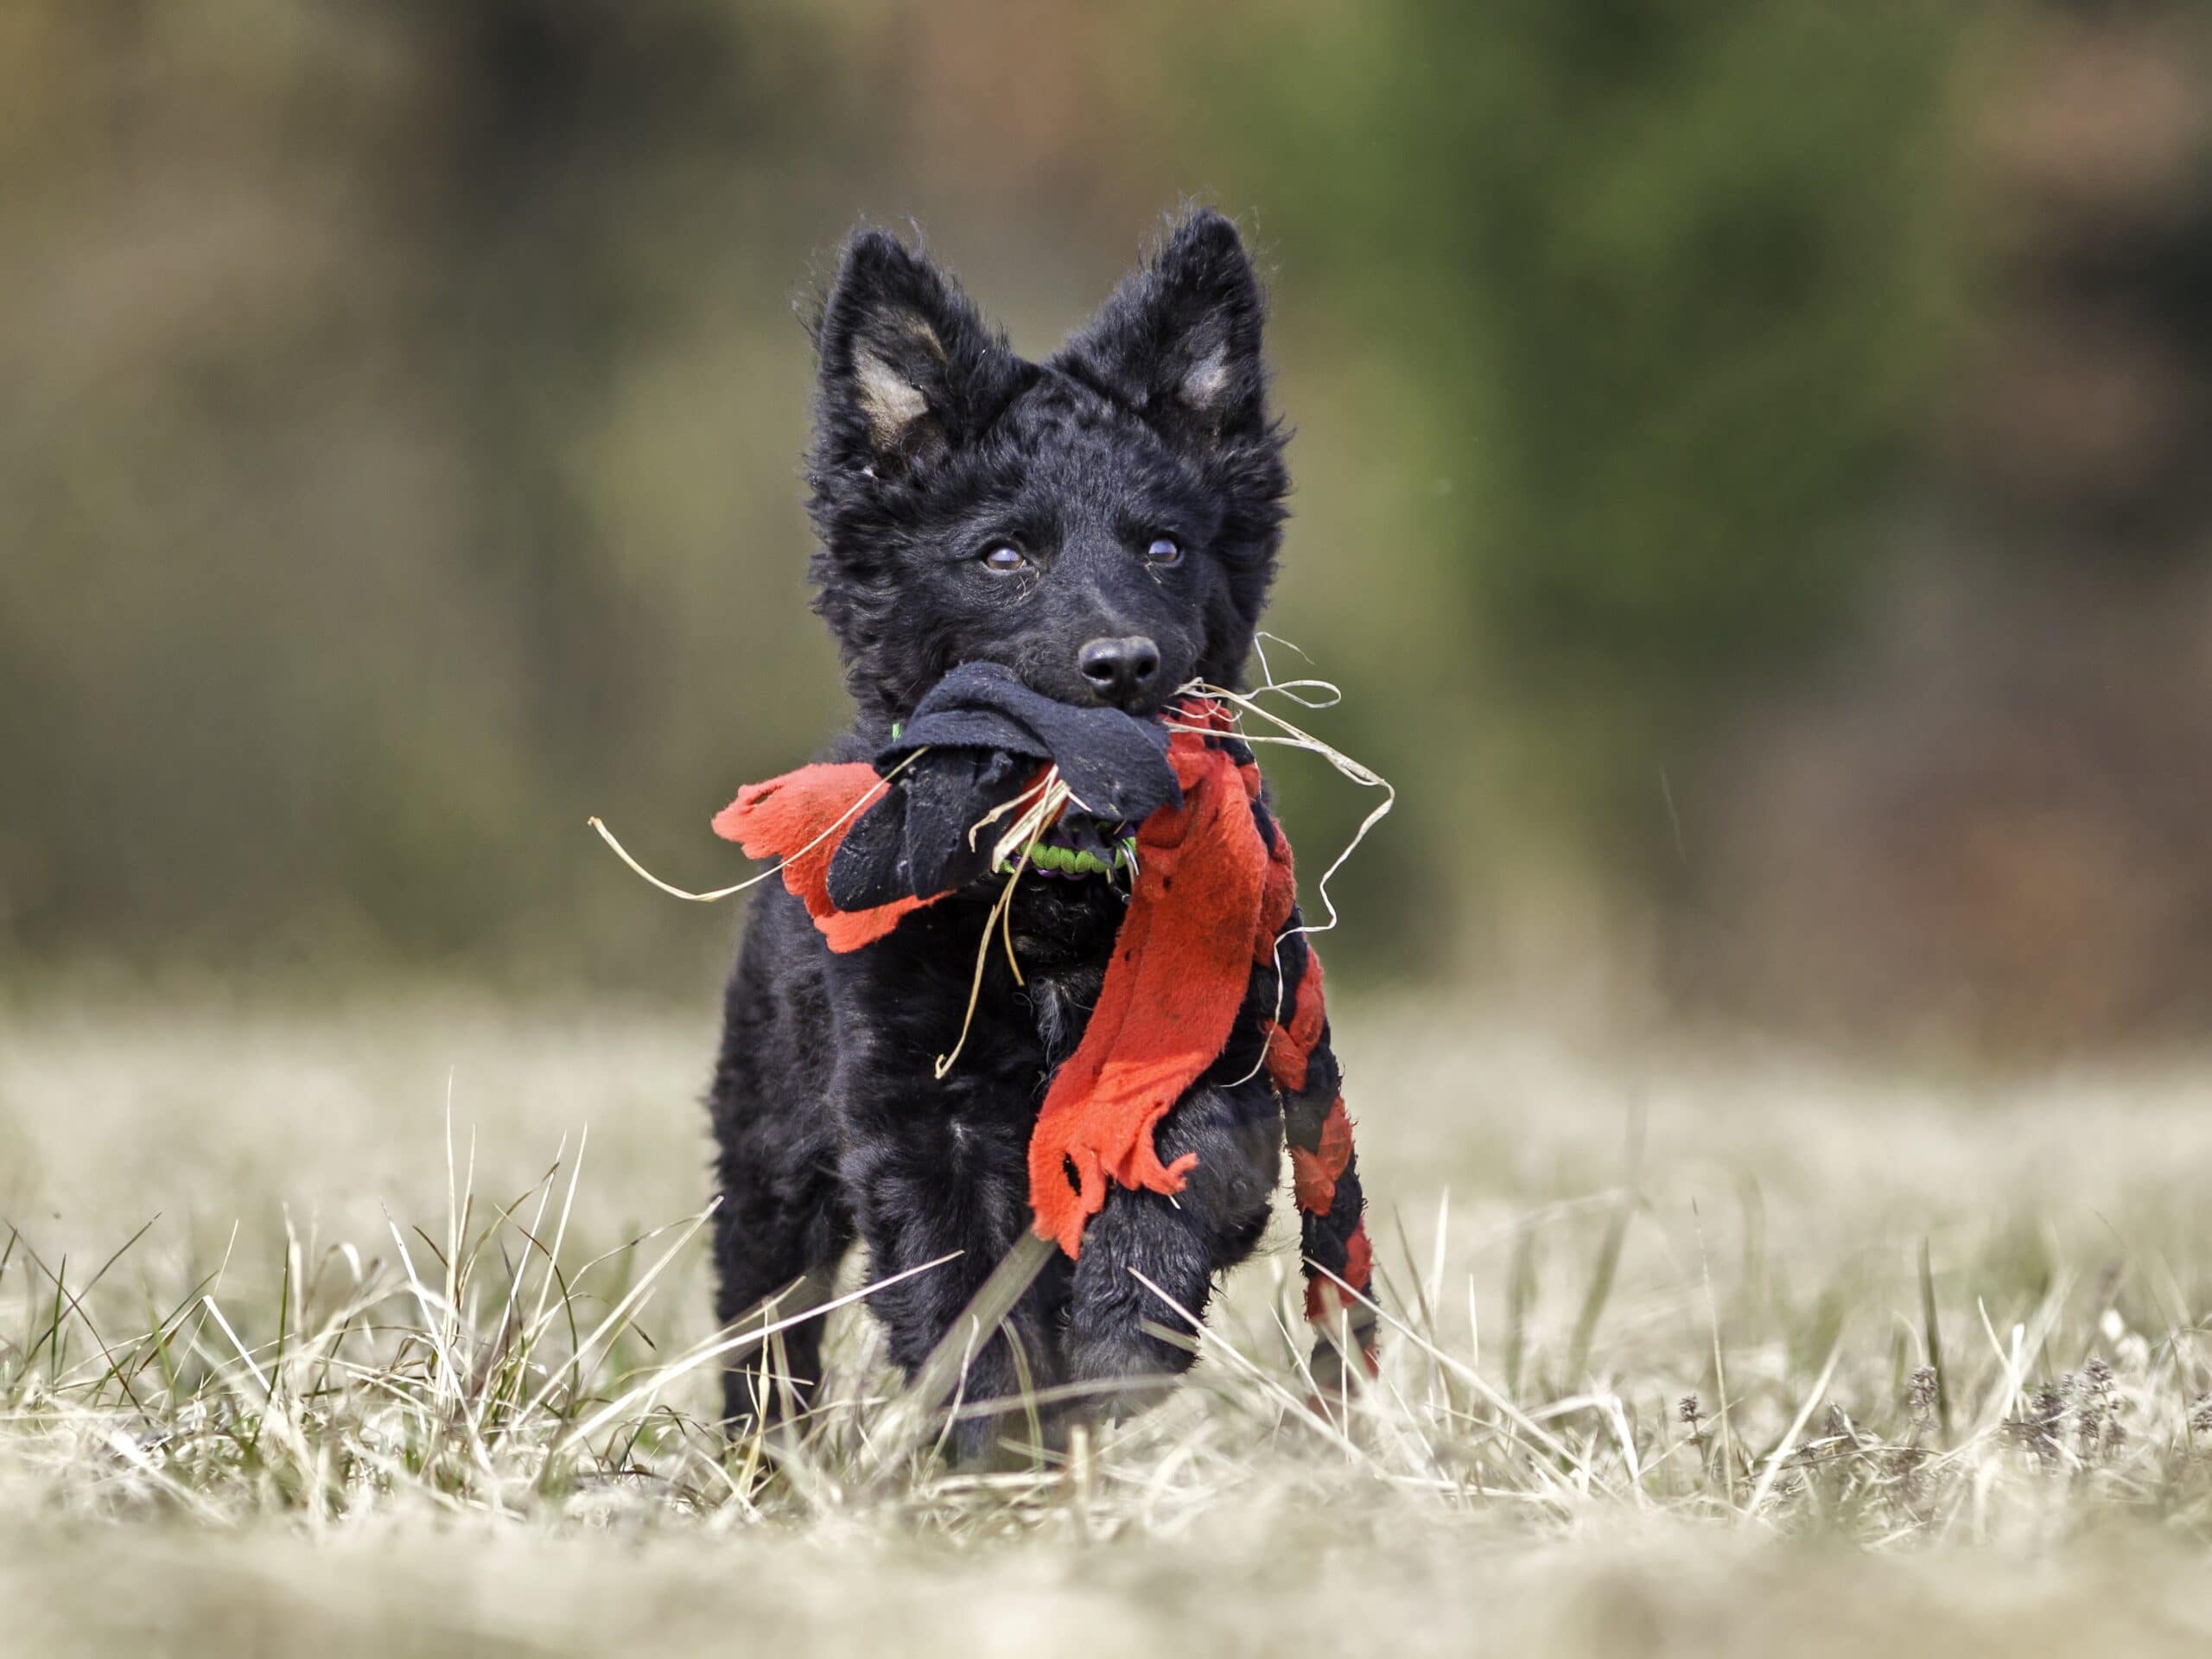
x,y
873,793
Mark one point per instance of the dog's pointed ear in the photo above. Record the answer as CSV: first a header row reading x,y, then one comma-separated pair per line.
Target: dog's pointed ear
x,y
908,371
1179,341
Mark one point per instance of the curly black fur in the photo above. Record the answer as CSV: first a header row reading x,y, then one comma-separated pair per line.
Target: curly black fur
x,y
934,444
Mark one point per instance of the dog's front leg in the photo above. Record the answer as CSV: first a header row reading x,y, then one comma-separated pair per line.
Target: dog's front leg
x,y
926,1185
1122,1338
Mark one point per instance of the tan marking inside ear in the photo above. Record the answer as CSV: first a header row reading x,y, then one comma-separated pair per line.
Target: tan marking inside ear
x,y
1205,380
890,401
925,337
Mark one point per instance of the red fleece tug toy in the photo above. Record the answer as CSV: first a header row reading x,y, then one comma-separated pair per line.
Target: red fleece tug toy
x,y
1213,901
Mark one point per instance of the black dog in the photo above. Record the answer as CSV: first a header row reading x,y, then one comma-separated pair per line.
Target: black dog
x,y
1104,524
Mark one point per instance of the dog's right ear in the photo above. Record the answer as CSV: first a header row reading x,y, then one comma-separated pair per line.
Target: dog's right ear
x,y
909,371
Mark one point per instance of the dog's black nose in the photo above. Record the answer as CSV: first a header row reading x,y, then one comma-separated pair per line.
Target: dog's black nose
x,y
1120,670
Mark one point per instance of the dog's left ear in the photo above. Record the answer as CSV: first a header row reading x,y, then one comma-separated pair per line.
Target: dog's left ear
x,y
1179,341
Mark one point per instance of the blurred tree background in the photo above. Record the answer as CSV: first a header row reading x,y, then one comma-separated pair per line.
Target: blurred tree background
x,y
1752,468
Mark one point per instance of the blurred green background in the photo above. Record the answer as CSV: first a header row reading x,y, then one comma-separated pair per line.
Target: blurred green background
x,y
1751,461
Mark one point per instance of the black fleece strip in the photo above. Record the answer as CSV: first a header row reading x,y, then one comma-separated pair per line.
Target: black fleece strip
x,y
973,745
1115,763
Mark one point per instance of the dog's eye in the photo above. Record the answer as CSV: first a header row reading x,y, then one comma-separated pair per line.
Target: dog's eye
x,y
1003,557
1164,550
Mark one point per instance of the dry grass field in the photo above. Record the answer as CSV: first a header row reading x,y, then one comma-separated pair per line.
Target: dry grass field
x,y
364,1384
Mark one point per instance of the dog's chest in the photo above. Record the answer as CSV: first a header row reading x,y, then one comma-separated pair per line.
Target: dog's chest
x,y
1061,1003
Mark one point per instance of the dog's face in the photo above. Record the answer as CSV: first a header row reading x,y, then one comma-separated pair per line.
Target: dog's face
x,y
1104,524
